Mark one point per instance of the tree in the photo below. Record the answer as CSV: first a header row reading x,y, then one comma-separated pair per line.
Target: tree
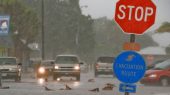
x,y
110,38
86,40
24,25
168,50
66,29
165,27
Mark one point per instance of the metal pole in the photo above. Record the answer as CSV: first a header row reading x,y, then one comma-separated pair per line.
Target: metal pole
x,y
126,93
132,38
42,34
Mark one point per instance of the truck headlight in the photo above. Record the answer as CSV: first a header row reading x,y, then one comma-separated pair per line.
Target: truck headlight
x,y
76,67
56,67
19,69
41,70
153,76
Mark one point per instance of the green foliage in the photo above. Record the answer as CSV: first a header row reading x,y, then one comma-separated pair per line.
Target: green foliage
x,y
66,29
110,38
7,2
168,50
22,19
165,27
86,42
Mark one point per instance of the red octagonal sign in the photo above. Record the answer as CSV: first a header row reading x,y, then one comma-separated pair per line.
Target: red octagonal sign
x,y
135,16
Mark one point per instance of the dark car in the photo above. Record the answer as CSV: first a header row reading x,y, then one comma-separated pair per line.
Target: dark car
x,y
103,66
160,74
150,66
45,69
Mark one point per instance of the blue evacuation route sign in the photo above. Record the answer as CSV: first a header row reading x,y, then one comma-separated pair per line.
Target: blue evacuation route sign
x,y
129,67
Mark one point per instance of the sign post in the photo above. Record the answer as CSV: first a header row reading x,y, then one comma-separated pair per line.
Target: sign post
x,y
132,40
134,17
129,67
127,88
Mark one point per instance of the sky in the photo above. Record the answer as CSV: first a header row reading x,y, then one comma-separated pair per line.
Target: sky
x,y
101,8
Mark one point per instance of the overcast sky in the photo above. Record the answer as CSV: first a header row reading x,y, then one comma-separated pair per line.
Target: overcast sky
x,y
100,8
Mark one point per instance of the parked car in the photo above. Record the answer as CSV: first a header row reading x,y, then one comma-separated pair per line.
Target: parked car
x,y
153,59
10,69
150,66
45,69
160,74
104,66
67,65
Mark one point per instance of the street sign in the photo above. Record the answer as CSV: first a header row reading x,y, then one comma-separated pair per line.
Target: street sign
x,y
131,46
129,67
135,16
4,25
131,88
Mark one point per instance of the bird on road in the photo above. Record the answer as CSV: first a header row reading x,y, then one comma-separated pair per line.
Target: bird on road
x,y
67,87
91,80
109,86
95,90
48,89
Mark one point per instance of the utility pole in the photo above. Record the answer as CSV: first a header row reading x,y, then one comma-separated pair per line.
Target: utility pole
x,y
42,32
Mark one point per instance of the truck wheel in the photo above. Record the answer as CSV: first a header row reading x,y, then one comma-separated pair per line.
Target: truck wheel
x,y
164,82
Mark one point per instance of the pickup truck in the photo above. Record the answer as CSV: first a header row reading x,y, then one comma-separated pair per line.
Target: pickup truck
x,y
10,69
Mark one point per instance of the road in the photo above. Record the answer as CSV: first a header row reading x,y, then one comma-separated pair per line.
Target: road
x,y
30,86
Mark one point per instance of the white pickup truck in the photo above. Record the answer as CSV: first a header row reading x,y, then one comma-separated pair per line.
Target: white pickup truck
x,y
10,69
66,65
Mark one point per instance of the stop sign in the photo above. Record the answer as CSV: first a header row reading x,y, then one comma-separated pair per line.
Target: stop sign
x,y
135,16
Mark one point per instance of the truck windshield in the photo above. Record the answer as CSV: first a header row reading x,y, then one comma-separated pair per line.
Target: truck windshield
x,y
105,59
46,63
8,61
66,60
